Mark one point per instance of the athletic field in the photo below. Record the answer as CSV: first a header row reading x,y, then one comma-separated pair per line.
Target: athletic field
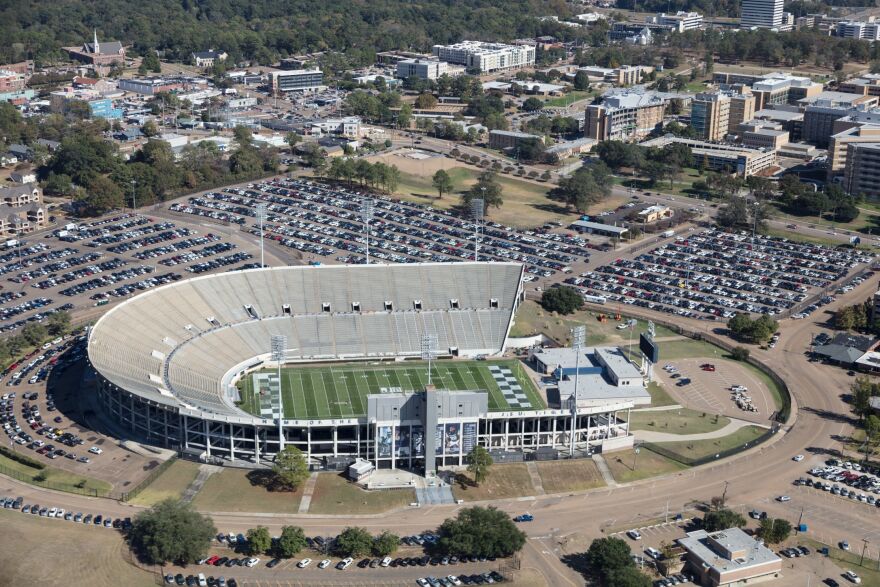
x,y
340,391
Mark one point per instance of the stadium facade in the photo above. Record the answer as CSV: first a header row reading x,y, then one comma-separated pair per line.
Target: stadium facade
x,y
168,362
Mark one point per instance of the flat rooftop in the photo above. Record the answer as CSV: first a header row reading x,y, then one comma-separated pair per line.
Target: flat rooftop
x,y
727,550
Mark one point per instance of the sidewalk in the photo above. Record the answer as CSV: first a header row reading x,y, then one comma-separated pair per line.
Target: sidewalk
x,y
651,436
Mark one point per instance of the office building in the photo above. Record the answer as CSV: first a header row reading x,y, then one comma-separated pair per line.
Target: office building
x,y
710,113
297,80
742,108
421,68
679,22
627,116
762,14
856,127
148,86
507,139
821,113
625,75
759,135
867,85
862,171
729,557
771,88
486,57
743,161
853,29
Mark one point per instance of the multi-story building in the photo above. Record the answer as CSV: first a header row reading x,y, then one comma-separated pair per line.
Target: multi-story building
x,y
762,14
710,115
760,135
208,58
99,105
679,22
743,161
506,139
628,116
421,68
21,209
297,80
789,118
822,111
866,85
862,171
782,88
11,81
854,29
486,57
148,86
95,53
742,108
625,75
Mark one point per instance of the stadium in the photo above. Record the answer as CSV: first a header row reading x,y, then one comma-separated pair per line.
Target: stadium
x,y
191,366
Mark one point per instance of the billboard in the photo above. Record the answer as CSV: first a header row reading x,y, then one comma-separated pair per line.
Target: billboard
x,y
649,348
385,440
401,441
453,439
469,437
418,441
438,439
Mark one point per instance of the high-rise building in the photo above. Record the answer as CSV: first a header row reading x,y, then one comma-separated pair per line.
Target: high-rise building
x,y
862,175
762,14
710,115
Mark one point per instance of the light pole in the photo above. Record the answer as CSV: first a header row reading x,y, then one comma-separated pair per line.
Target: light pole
x,y
864,547
578,335
133,195
278,345
477,209
262,209
429,349
367,217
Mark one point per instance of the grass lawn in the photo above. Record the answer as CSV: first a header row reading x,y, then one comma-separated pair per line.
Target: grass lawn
x,y
525,202
170,485
57,479
342,390
678,421
659,395
775,391
570,98
697,449
696,86
687,349
505,481
97,564
232,490
816,240
334,495
647,464
869,571
571,475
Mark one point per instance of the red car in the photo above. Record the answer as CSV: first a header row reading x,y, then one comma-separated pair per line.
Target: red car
x,y
708,367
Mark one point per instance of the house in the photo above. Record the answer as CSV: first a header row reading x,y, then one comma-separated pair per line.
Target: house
x,y
20,195
21,152
131,133
95,53
208,58
23,176
8,159
655,213
51,146
729,557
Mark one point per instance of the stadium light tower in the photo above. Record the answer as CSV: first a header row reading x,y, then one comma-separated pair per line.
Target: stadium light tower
x,y
578,335
429,351
367,217
477,209
278,346
262,210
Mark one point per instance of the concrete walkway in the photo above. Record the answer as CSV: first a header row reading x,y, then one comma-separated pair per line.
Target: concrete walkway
x,y
537,482
205,471
308,489
603,468
660,408
651,436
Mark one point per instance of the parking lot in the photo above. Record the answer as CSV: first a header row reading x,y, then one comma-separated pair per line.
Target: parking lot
x,y
326,222
713,274
712,391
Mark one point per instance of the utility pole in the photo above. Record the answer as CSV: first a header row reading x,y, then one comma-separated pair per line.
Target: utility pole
x,y
864,548
724,494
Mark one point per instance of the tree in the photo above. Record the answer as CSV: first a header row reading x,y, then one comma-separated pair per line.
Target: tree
x,y
354,542
581,81
243,136
862,390
629,577
149,129
722,520
734,213
259,540
478,463
607,556
34,333
486,188
404,116
774,530
292,139
150,62
58,323
57,184
740,354
100,196
171,531
532,104
290,468
587,186
442,182
426,101
562,300
385,543
478,531
291,541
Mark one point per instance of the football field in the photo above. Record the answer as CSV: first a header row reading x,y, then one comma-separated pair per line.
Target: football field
x,y
340,391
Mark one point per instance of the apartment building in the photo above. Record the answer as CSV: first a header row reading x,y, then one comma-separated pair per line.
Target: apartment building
x,y
628,116
486,57
421,68
21,209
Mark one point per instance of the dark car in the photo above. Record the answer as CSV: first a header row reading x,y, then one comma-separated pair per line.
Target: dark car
x,y
273,563
179,579
364,563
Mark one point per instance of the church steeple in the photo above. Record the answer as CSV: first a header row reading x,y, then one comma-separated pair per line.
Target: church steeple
x,y
95,47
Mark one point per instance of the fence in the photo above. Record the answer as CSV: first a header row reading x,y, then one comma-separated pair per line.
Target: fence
x,y
66,487
691,462
149,479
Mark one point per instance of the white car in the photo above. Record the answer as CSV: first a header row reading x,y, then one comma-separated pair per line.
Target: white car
x,y
853,577
783,498
252,562
51,513
344,563
59,513
324,563
304,563
95,450
797,458
634,534
453,579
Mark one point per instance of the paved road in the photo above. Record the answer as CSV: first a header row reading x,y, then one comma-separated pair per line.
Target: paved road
x,y
819,416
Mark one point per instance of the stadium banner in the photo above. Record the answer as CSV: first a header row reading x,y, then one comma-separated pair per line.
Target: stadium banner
x,y
438,439
418,441
401,441
453,439
385,440
469,437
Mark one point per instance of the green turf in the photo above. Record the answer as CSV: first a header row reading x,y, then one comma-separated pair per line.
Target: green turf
x,y
340,391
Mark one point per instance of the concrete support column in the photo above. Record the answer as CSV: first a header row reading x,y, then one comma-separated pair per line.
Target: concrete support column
x,y
207,437
231,443
256,444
